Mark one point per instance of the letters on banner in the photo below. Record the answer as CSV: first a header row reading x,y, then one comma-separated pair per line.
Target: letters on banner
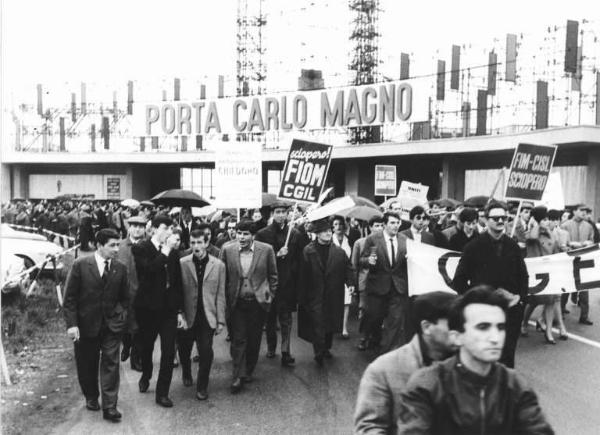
x,y
432,269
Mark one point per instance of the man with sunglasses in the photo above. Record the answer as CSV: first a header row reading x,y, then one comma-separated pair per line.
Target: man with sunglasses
x,y
495,259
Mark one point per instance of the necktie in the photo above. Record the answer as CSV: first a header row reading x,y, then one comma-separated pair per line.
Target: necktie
x,y
393,259
105,273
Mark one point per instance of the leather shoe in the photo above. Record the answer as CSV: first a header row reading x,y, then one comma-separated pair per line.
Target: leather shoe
x,y
143,385
92,404
287,360
124,354
363,344
164,401
236,386
202,395
112,414
270,354
586,322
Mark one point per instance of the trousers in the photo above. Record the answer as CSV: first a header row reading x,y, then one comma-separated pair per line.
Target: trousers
x,y
202,334
247,321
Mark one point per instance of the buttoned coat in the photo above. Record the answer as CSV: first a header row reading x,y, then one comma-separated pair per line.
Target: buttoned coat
x,y
88,300
213,290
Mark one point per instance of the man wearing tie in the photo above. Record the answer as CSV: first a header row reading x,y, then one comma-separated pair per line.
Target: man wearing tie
x,y
384,254
251,285
157,303
95,310
203,282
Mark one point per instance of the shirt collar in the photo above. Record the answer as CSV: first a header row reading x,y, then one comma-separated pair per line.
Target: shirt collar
x,y
414,230
100,261
249,248
426,358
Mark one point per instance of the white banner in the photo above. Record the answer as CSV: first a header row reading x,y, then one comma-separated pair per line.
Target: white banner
x,y
431,268
238,175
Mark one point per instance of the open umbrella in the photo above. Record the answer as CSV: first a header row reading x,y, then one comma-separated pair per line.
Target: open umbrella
x,y
362,213
147,203
340,206
179,198
131,203
219,214
448,203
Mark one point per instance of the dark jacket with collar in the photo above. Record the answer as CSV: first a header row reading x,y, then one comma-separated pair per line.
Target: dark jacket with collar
x,y
154,272
448,399
88,301
479,264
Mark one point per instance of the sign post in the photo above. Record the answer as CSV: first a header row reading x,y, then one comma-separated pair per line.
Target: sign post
x,y
529,173
385,180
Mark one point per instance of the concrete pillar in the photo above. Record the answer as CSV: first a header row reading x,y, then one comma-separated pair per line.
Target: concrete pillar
x,y
352,178
128,187
453,179
592,191
20,183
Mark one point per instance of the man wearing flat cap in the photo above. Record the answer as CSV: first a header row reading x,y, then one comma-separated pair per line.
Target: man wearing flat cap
x,y
135,234
288,257
377,402
324,271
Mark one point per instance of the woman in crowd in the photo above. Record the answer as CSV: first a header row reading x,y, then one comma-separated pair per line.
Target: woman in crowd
x,y
338,226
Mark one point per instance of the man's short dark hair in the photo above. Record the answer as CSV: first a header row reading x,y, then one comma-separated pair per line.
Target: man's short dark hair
x,y
198,234
492,205
432,307
480,294
246,225
468,214
161,219
415,211
389,214
204,226
375,220
105,234
554,215
580,207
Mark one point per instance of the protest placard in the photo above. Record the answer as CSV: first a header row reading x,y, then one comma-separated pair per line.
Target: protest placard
x,y
305,171
238,175
529,171
385,180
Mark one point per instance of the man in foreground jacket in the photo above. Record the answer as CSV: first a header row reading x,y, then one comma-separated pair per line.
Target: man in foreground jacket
x,y
250,286
377,403
472,393
95,310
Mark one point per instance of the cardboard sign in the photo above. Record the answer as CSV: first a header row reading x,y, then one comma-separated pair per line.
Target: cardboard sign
x,y
413,190
113,188
305,171
529,171
431,268
238,175
385,180
553,197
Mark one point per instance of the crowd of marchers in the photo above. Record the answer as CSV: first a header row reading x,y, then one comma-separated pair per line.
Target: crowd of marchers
x,y
187,279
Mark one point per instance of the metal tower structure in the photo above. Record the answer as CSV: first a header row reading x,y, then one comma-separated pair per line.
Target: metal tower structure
x,y
364,61
251,67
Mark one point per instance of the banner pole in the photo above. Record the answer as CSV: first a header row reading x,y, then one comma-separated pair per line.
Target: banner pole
x,y
501,176
291,225
514,227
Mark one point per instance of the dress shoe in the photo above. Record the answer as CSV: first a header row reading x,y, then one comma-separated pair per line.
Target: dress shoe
x,y
319,360
143,385
201,395
124,354
586,322
187,380
287,360
549,340
363,344
164,401
111,414
270,354
92,404
248,379
236,386
563,336
327,354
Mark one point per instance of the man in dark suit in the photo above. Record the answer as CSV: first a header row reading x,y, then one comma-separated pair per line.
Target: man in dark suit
x,y
324,270
418,228
157,303
203,283
251,285
187,226
384,254
95,309
137,228
288,257
493,258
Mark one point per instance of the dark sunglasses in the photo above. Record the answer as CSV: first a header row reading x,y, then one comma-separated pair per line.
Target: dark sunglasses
x,y
498,218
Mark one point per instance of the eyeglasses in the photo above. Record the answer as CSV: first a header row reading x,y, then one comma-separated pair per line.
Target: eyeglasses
x,y
498,218
419,217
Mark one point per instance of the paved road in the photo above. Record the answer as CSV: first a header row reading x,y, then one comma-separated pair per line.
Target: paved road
x,y
306,400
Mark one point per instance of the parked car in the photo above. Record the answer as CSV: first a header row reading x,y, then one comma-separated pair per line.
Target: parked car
x,y
32,248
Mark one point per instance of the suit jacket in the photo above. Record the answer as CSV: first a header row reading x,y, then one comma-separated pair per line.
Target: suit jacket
x,y
378,399
262,273
426,236
88,301
154,271
382,276
213,290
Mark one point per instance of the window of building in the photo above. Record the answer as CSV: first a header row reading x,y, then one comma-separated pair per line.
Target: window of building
x,y
198,180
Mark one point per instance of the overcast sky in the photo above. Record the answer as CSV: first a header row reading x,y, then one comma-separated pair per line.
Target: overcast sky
x,y
58,41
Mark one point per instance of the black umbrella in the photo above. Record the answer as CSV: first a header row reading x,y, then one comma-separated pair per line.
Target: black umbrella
x,y
179,198
147,203
481,201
